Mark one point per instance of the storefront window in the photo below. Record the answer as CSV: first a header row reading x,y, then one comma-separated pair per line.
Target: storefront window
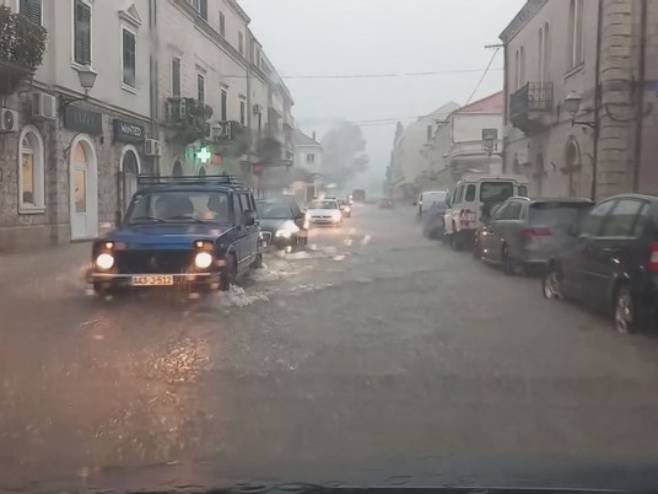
x,y
31,171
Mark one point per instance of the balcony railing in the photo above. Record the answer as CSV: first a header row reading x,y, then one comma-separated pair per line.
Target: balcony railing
x,y
528,104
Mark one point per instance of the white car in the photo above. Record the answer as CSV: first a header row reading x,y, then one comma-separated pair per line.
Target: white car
x,y
324,212
428,198
471,202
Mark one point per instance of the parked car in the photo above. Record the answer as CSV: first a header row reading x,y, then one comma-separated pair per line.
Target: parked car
x,y
434,220
345,208
324,212
471,202
523,232
428,198
193,232
283,223
613,262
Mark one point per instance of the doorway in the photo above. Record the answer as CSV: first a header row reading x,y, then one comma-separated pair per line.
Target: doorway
x,y
130,168
83,189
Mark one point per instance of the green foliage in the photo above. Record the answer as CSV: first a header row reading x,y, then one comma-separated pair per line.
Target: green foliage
x,y
22,42
194,126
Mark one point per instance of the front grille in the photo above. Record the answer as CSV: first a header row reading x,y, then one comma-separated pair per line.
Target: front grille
x,y
154,262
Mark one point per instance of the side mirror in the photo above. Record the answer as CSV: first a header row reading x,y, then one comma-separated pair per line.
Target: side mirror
x,y
249,218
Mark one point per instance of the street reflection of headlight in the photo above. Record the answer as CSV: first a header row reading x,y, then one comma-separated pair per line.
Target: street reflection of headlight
x,y
105,261
287,230
203,260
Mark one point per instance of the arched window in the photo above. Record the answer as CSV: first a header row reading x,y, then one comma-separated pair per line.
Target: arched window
x,y
31,196
202,171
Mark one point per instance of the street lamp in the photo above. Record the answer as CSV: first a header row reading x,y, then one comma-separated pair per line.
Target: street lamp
x,y
572,106
87,77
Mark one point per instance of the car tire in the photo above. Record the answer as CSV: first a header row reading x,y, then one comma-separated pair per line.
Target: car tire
x,y
229,274
624,311
455,240
552,284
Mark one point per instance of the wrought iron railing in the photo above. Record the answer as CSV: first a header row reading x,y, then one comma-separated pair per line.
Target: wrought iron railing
x,y
533,97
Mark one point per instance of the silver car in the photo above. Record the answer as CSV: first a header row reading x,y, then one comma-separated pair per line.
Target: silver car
x,y
526,232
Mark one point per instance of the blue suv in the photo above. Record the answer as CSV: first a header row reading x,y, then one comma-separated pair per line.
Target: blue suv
x,y
193,232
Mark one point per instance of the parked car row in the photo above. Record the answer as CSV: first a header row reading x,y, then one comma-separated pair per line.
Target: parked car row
x,y
603,255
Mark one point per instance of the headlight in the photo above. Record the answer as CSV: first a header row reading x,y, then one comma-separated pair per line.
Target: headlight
x,y
105,261
348,209
287,230
336,216
203,260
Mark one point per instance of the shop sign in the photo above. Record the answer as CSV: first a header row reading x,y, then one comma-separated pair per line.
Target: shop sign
x,y
128,131
89,122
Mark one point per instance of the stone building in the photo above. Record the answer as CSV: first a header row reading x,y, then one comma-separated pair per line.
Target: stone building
x,y
128,87
580,90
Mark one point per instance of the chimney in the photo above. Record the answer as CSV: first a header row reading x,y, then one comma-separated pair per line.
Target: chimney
x,y
314,136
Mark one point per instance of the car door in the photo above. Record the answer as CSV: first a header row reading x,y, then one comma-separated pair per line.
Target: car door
x,y
577,264
503,229
488,235
238,234
611,253
249,233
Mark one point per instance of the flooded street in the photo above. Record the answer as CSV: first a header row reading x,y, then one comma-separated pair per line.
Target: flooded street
x,y
316,368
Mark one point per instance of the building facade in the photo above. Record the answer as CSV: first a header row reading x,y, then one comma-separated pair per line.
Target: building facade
x,y
579,96
127,88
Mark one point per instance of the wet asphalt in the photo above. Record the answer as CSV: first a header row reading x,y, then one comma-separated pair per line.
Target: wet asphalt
x,y
374,357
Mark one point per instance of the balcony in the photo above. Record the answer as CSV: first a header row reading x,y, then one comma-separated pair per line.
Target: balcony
x,y
530,105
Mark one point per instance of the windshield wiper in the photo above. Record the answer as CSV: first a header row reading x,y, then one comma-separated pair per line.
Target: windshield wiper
x,y
153,219
189,218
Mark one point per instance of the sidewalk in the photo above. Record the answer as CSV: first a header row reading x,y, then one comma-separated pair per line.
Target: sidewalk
x,y
44,264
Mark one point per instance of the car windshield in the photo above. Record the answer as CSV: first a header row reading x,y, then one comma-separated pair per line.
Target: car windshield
x,y
274,210
323,205
277,246
179,207
496,191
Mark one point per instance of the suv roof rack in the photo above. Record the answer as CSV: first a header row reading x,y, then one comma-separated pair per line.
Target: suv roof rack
x,y
155,181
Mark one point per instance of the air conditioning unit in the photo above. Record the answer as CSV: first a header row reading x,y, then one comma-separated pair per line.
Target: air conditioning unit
x,y
152,147
8,120
44,106
176,109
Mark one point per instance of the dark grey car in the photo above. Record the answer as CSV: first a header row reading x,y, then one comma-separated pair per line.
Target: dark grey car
x,y
527,232
283,223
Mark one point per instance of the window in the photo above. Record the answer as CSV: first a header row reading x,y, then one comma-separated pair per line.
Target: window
x,y
594,220
310,158
243,112
177,170
523,191
201,88
460,194
546,56
244,201
622,220
516,70
540,54
175,76
575,55
512,211
82,32
31,9
237,209
222,24
31,171
496,191
643,220
222,108
201,6
241,43
470,193
260,121
522,80
128,58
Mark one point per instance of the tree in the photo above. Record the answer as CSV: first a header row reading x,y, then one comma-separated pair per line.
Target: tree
x,y
344,153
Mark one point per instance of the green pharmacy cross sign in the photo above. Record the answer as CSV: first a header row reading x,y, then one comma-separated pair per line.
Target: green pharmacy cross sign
x,y
204,155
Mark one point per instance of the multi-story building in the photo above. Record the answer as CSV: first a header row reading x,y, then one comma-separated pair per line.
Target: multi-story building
x,y
474,139
580,96
412,167
124,88
69,159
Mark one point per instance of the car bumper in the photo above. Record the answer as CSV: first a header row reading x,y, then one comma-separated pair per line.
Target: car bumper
x,y
323,222
111,280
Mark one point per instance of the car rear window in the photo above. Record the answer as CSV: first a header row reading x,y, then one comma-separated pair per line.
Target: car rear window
x,y
496,191
557,213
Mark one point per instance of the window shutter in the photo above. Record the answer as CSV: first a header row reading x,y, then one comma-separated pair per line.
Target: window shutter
x,y
31,9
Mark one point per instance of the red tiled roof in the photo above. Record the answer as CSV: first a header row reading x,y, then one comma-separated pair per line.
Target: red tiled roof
x,y
489,104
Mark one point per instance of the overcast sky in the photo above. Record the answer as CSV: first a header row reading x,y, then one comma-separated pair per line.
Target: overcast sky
x,y
352,37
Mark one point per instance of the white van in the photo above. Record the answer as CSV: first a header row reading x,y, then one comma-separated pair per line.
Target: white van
x,y
471,201
428,198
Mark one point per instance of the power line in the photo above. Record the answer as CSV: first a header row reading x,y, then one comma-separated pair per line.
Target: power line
x,y
484,74
376,75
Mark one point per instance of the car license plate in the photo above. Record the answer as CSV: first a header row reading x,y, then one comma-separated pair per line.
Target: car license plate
x,y
153,280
